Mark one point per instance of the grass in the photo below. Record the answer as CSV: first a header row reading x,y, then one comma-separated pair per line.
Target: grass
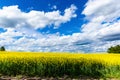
x,y
59,64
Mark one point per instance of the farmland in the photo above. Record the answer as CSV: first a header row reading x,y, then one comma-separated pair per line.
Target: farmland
x,y
56,64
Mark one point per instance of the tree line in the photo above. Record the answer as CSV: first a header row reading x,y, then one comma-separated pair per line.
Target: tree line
x,y
114,49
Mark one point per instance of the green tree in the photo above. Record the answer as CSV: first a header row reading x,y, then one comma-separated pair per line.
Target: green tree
x,y
114,49
2,48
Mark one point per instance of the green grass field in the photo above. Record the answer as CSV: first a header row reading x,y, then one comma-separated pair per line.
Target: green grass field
x,y
59,64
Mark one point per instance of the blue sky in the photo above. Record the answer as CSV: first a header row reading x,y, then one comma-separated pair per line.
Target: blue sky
x,y
59,25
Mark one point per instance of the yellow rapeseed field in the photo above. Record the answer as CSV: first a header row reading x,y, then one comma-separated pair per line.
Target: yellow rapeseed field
x,y
59,64
104,57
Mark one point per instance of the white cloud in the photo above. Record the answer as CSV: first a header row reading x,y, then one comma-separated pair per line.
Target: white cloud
x,y
103,25
110,29
102,16
14,17
54,7
109,9
35,42
93,6
77,42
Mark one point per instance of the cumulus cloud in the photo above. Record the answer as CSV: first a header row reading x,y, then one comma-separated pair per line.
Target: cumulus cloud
x,y
109,9
77,42
102,16
17,40
103,26
12,16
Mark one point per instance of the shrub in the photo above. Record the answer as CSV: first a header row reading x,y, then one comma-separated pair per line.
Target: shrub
x,y
114,49
2,48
